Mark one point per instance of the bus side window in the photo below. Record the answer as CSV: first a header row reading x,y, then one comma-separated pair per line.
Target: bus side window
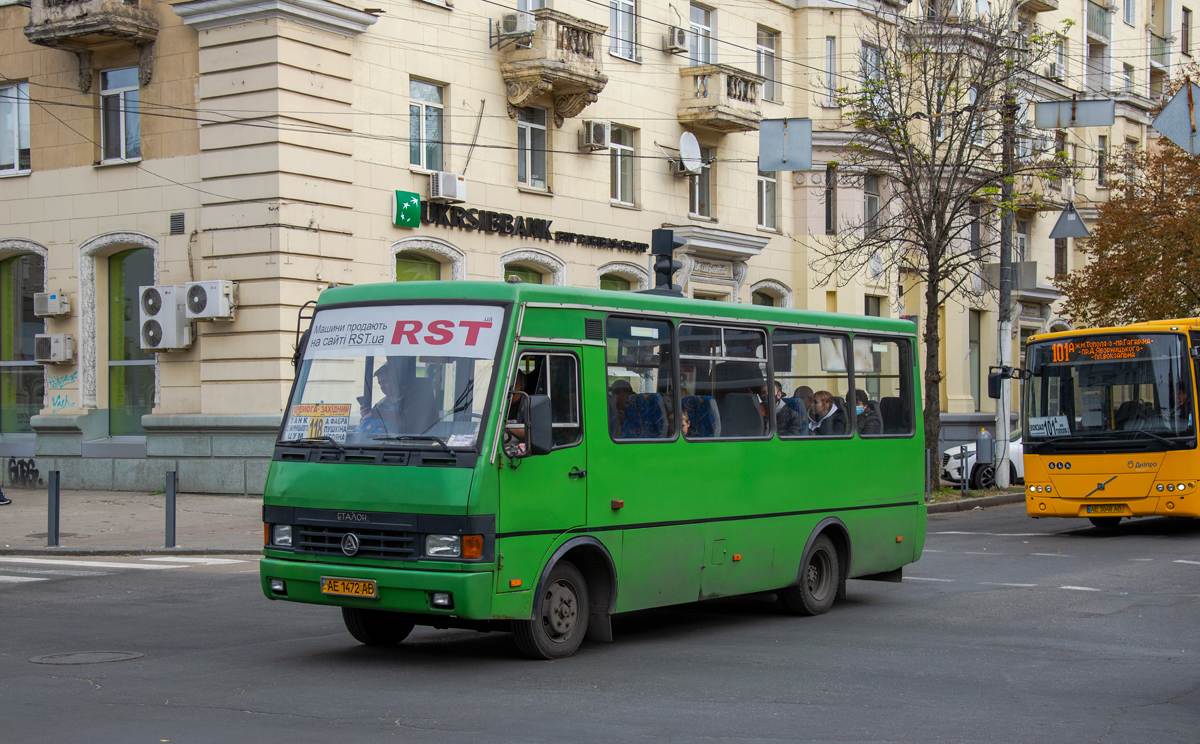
x,y
812,369
641,396
883,399
723,374
555,376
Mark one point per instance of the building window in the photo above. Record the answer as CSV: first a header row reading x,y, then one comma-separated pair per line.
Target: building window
x,y
1185,36
830,70
621,157
872,75
871,198
526,275
768,65
700,38
873,306
1060,59
1127,85
764,299
1130,11
768,199
700,187
531,147
120,126
622,28
973,362
1060,256
130,369
831,199
975,236
21,380
615,282
1021,241
413,267
425,114
14,129
1102,160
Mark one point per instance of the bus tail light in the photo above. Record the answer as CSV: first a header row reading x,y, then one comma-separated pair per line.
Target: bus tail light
x,y
472,546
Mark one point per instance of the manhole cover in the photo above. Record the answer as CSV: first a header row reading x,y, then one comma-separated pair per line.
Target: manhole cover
x,y
86,657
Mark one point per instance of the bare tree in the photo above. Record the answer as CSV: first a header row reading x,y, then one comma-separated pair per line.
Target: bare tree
x,y
927,136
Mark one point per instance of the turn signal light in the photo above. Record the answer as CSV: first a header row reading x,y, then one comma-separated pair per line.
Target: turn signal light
x,y
472,546
737,556
899,538
514,583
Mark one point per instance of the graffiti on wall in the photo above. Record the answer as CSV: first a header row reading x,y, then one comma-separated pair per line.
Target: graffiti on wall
x,y
23,473
58,382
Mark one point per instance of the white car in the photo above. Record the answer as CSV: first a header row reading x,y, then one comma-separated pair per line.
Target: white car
x,y
983,476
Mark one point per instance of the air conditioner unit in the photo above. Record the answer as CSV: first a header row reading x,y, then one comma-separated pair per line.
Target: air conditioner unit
x,y
1053,72
53,348
678,169
47,304
517,24
596,135
211,300
447,187
164,325
676,40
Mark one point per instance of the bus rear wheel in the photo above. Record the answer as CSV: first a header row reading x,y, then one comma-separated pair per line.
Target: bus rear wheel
x,y
375,627
1105,523
560,616
818,581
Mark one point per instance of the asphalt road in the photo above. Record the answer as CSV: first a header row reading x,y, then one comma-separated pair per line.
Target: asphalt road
x,y
1008,630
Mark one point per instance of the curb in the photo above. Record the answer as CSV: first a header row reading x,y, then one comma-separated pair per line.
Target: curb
x,y
982,502
128,551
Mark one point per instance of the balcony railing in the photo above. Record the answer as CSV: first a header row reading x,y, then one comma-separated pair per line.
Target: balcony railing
x,y
561,57
1097,20
720,98
1158,50
84,24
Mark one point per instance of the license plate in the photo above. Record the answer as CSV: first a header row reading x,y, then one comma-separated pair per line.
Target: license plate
x,y
349,587
1106,509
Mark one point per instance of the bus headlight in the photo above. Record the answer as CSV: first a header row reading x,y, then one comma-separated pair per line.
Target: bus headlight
x,y
281,535
443,546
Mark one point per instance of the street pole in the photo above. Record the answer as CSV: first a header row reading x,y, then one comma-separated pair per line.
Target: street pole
x,y
1008,137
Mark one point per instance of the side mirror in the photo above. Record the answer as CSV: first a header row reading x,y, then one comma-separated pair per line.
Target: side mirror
x,y
539,430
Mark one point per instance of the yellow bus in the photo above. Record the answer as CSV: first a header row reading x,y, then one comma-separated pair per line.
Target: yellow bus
x,y
1109,422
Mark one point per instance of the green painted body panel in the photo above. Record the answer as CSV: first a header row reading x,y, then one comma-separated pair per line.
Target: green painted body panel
x,y
689,507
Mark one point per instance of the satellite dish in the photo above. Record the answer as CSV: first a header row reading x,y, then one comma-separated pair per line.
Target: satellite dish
x,y
689,153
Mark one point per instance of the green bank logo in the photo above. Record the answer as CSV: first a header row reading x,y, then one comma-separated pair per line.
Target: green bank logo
x,y
406,209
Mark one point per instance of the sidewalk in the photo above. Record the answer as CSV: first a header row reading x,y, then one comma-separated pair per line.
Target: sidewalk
x,y
115,522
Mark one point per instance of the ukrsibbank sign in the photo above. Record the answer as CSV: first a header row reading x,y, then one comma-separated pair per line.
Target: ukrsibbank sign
x,y
409,210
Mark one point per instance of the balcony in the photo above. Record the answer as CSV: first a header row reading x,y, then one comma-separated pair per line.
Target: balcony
x,y
1040,6
560,57
85,24
1098,19
1158,51
720,98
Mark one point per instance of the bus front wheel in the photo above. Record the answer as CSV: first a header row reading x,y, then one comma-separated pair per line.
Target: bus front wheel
x,y
560,616
818,581
375,627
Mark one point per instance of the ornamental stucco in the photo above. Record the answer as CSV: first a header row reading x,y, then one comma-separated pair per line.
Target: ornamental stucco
x,y
541,259
435,248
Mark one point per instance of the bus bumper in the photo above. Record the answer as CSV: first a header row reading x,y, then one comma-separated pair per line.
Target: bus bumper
x,y
399,590
1134,507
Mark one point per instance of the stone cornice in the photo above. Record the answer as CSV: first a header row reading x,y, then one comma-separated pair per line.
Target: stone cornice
x,y
322,14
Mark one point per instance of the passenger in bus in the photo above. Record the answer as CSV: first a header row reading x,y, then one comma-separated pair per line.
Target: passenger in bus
x,y
619,393
407,407
805,394
1181,416
686,422
870,421
825,418
513,438
787,420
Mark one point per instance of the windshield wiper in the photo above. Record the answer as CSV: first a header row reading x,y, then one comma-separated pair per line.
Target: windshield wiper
x,y
418,438
1152,434
325,438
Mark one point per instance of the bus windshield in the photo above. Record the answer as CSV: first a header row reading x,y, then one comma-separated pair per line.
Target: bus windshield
x,y
1109,387
412,375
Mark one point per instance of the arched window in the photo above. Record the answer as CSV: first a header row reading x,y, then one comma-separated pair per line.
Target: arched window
x,y
526,275
762,298
130,369
21,381
413,267
615,282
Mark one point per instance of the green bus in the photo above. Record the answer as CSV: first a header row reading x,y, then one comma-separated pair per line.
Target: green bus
x,y
536,459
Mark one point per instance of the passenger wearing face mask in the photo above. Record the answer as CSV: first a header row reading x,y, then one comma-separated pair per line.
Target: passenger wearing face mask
x,y
870,421
788,420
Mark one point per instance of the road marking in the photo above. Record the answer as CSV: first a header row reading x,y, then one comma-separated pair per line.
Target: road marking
x,y
1052,555
995,534
197,561
17,579
55,572
95,564
927,550
1080,588
1141,559
1003,583
925,578
979,552
1190,563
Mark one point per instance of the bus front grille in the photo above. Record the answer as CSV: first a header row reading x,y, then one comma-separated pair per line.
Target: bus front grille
x,y
372,543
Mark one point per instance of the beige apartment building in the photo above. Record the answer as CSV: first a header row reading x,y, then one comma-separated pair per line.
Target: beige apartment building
x,y
280,145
